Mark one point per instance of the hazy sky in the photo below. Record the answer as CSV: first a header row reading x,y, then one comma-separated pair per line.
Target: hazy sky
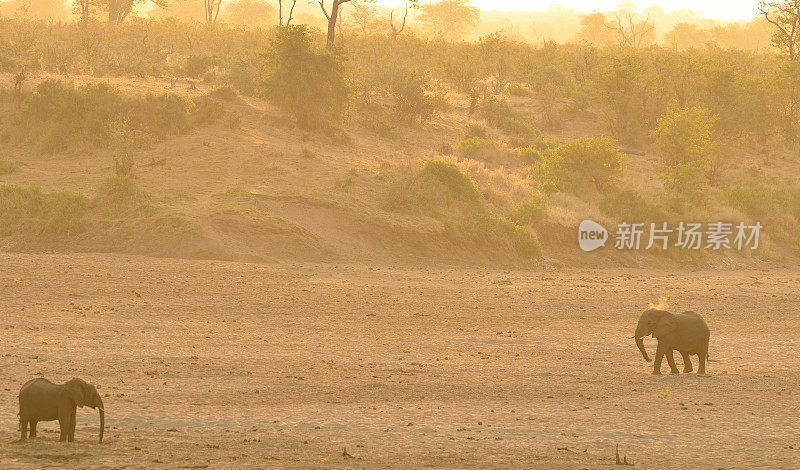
x,y
725,9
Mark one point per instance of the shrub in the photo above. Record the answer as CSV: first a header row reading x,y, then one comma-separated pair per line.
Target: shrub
x,y
500,114
63,113
530,211
530,155
683,141
124,142
60,114
119,194
207,110
29,207
161,115
501,234
524,243
576,163
226,93
684,136
476,130
305,82
410,99
476,147
594,158
437,187
629,206
517,90
197,65
443,191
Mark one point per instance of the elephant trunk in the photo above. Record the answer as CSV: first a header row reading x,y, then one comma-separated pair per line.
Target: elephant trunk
x,y
642,330
640,344
102,411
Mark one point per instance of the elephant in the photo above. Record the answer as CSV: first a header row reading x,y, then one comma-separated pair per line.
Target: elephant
x,y
42,400
685,332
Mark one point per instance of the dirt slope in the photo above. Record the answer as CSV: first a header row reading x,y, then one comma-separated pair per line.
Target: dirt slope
x,y
266,191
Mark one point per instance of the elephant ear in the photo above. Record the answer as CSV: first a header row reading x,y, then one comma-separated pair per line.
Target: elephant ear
x,y
666,324
74,389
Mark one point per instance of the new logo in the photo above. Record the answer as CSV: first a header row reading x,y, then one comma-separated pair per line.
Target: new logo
x,y
591,235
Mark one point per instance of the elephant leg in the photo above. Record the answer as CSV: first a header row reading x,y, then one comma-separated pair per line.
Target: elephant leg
x,y
63,423
687,363
33,428
660,350
71,434
23,426
701,360
673,369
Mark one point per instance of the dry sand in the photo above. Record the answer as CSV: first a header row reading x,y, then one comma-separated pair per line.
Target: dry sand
x,y
232,365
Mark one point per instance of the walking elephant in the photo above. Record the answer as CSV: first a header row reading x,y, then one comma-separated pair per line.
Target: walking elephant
x,y
685,332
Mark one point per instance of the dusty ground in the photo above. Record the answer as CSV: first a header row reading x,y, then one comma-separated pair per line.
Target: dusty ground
x,y
223,365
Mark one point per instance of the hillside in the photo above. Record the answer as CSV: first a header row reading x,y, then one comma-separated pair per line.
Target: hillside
x,y
251,186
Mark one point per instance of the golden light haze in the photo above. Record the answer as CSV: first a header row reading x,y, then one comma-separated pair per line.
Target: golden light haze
x,y
729,10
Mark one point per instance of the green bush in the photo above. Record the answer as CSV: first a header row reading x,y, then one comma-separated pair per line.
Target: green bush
x,y
683,140
530,155
208,109
477,148
436,188
500,234
64,114
443,191
61,115
596,159
409,91
517,90
305,82
530,211
500,114
629,206
684,136
161,115
576,163
30,208
476,130
119,193
197,65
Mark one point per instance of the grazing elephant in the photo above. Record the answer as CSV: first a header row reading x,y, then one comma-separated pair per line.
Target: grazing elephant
x,y
42,400
685,332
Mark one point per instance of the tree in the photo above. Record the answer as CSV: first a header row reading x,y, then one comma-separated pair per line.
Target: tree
x,y
449,19
785,16
686,36
364,16
684,141
631,31
332,17
118,10
397,30
185,11
594,30
211,10
249,13
83,9
280,13
305,82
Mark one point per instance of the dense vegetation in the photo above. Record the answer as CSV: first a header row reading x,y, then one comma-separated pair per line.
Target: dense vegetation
x,y
693,107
